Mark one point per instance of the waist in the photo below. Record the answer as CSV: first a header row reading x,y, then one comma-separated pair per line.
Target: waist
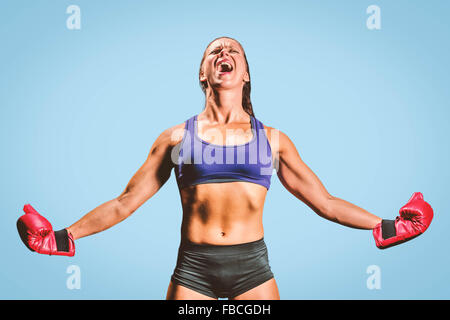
x,y
222,230
228,249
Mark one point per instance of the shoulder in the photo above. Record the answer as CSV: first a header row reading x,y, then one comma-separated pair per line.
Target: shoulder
x,y
171,136
278,139
279,142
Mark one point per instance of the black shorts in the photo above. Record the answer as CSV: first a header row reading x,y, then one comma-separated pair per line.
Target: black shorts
x,y
222,271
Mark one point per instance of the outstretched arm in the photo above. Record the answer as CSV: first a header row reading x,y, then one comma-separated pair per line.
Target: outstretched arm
x,y
299,179
143,185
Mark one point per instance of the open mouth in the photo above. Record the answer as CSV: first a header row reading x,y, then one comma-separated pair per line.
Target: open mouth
x,y
224,67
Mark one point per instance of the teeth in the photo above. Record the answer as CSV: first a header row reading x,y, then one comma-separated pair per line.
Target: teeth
x,y
225,65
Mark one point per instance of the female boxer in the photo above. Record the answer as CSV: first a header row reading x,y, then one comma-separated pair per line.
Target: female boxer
x,y
223,159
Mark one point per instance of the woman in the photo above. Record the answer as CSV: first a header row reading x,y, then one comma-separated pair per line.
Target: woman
x,y
223,159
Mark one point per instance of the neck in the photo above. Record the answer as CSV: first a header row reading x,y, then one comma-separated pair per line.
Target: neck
x,y
224,106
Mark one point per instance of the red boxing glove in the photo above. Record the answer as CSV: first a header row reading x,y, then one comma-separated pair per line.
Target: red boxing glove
x,y
38,235
415,217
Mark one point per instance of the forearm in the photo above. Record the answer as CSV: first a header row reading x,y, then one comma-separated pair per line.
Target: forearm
x,y
101,218
350,215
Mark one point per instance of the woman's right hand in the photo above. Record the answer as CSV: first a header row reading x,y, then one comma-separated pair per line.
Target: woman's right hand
x,y
38,235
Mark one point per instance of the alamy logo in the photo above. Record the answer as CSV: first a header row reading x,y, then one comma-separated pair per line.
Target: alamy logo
x,y
193,150
374,280
74,280
73,22
374,20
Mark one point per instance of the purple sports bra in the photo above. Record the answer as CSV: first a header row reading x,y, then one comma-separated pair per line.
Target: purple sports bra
x,y
198,161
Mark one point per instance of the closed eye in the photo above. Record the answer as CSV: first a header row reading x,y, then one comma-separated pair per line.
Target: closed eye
x,y
219,49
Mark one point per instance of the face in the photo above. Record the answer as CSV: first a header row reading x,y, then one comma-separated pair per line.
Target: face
x,y
224,65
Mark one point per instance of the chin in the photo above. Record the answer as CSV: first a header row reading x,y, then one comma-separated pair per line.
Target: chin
x,y
226,86
227,82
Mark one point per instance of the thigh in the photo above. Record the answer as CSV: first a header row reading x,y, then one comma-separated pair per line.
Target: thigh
x,y
265,291
178,292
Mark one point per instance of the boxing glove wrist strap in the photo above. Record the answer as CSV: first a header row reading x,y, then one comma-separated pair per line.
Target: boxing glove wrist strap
x,y
62,240
388,229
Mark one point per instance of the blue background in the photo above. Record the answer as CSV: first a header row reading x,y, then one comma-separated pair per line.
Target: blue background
x,y
368,111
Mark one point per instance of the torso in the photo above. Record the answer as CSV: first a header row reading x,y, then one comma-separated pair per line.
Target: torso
x,y
223,213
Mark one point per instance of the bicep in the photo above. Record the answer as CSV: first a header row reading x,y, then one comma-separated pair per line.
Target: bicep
x,y
299,179
150,177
